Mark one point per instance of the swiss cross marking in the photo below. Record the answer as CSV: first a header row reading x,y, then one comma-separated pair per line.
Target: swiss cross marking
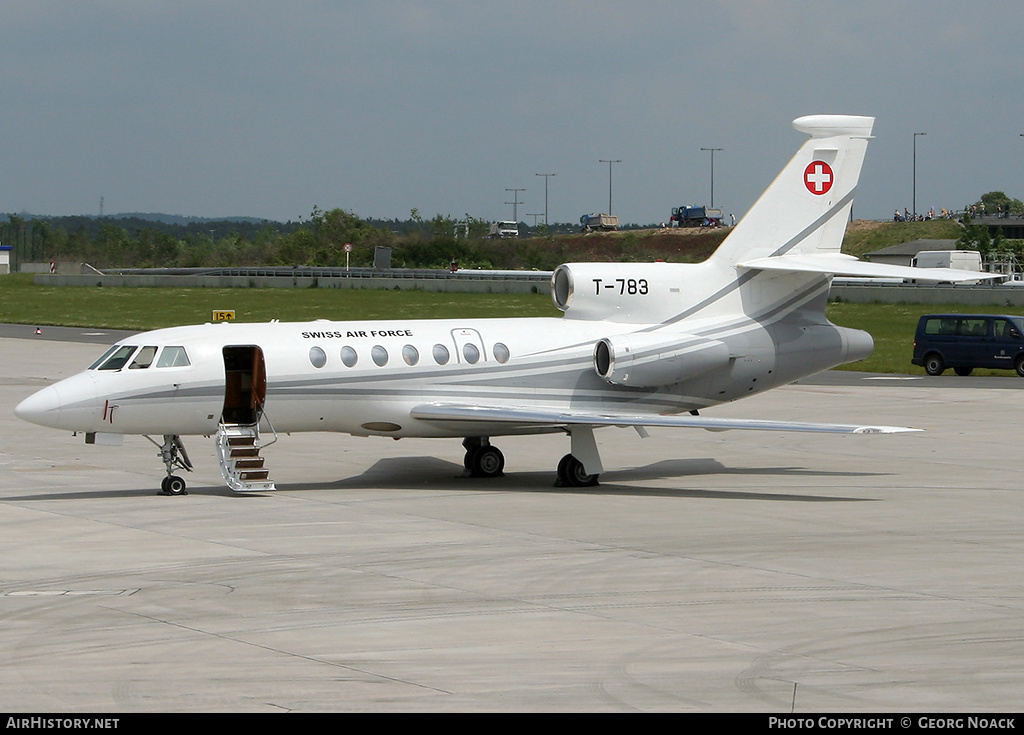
x,y
818,177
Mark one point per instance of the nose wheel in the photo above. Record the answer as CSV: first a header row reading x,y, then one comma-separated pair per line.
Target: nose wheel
x,y
173,485
174,456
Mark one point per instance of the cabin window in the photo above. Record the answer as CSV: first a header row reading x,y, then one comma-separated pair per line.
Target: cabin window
x,y
143,358
501,353
471,352
117,360
379,355
441,355
970,327
1005,329
349,356
173,356
317,357
410,354
944,326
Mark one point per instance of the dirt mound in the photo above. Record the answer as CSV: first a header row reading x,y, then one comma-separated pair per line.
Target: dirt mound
x,y
674,245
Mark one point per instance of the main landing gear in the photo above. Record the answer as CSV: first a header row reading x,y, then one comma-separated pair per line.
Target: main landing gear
x,y
572,474
484,460
173,453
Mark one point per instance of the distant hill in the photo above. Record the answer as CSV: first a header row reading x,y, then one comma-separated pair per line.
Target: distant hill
x,y
140,239
178,219
171,224
865,236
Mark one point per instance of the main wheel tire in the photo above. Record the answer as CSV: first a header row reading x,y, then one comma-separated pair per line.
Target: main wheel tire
x,y
572,474
1018,365
933,364
485,461
489,462
963,371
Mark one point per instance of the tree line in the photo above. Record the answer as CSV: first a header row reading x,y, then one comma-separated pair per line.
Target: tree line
x,y
319,240
993,246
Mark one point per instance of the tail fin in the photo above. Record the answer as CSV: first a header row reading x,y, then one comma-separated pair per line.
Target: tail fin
x,y
804,211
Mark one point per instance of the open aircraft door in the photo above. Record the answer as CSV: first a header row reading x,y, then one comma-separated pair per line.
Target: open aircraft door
x,y
245,384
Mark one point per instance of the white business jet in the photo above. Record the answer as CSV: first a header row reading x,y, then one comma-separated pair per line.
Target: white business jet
x,y
639,345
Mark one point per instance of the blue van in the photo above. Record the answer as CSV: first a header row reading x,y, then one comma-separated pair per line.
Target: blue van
x,y
966,341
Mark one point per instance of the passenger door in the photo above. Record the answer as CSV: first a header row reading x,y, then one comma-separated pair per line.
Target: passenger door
x,y
1006,343
245,384
469,346
973,343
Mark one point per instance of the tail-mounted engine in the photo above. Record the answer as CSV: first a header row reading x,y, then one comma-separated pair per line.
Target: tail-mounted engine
x,y
621,292
642,360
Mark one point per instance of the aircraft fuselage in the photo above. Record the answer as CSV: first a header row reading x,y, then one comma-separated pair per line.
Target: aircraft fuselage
x,y
363,378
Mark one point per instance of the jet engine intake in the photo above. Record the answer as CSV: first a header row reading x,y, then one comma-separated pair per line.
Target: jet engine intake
x,y
642,360
623,292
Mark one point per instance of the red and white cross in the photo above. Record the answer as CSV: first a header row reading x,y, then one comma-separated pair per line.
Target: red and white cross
x,y
818,177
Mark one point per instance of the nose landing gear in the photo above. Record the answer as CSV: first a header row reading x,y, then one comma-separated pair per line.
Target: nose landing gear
x,y
174,456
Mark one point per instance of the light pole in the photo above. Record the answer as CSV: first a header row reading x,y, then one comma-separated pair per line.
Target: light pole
x,y
515,204
546,177
914,195
605,160
712,172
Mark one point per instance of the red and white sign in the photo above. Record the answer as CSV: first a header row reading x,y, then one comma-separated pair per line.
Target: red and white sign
x,y
818,177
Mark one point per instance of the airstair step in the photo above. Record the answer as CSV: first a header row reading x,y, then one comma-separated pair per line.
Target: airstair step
x,y
241,464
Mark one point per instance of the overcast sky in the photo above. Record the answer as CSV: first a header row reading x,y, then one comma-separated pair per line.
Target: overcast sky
x,y
267,109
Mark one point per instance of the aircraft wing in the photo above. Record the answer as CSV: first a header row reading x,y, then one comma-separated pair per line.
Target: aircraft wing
x,y
554,419
837,264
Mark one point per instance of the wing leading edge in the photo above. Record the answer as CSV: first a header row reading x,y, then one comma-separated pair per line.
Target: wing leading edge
x,y
445,412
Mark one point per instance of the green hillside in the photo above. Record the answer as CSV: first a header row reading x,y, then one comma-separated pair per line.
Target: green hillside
x,y
863,236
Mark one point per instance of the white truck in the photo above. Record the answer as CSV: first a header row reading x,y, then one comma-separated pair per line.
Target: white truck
x,y
504,229
964,260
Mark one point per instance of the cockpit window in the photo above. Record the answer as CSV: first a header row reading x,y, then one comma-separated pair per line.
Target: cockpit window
x,y
143,358
173,357
103,357
118,358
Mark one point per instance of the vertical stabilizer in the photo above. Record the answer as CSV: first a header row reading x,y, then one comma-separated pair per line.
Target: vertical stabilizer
x,y
805,210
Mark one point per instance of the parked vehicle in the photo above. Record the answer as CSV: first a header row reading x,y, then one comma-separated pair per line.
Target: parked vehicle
x,y
695,217
967,341
605,222
965,260
504,229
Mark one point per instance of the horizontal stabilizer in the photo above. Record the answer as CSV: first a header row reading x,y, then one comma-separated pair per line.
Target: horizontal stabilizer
x,y
837,264
555,419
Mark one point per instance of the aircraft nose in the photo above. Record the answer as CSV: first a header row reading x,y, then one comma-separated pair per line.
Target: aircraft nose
x,y
68,404
42,407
